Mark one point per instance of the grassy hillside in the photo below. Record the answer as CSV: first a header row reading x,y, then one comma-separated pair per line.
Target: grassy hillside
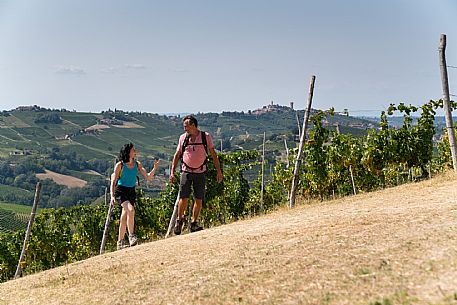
x,y
395,246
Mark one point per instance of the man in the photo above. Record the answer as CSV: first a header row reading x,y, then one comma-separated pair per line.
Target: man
x,y
192,152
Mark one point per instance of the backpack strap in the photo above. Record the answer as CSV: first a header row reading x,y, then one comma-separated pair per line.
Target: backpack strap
x,y
205,145
186,143
183,147
137,177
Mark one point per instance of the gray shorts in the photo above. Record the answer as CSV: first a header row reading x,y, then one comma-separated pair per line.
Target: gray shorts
x,y
195,179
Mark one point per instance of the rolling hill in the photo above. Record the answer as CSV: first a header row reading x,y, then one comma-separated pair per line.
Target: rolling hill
x,y
32,130
394,246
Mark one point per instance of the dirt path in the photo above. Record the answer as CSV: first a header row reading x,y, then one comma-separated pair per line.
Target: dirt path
x,y
396,246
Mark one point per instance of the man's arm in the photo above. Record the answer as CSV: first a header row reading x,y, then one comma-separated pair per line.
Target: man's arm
x,y
219,176
173,166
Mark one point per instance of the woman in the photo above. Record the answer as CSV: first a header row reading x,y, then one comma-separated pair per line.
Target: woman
x,y
123,182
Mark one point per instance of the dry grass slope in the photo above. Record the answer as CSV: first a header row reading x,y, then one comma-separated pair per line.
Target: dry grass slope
x,y
68,181
396,246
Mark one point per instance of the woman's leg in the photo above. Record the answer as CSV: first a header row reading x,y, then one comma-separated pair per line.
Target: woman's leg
x,y
130,210
122,223
133,240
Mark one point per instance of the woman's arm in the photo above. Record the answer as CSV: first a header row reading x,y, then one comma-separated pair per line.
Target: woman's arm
x,y
146,175
114,178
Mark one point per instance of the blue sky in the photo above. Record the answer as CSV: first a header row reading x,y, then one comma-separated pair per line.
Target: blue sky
x,y
201,56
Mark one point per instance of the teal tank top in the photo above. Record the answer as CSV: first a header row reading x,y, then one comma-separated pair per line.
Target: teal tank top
x,y
128,175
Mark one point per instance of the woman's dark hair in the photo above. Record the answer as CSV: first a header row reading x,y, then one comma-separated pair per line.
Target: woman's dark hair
x,y
192,120
124,154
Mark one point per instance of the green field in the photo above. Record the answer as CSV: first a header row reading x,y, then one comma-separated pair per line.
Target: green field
x,y
16,208
14,217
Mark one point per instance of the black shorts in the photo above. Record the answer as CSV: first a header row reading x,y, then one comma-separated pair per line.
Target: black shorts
x,y
124,193
197,180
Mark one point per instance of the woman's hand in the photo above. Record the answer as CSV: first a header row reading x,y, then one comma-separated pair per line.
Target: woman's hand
x,y
152,172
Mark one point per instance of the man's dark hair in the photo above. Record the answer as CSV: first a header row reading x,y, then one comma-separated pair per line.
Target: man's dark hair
x,y
192,120
124,154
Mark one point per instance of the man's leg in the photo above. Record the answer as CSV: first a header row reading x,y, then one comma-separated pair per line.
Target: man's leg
x,y
197,209
182,205
199,193
184,193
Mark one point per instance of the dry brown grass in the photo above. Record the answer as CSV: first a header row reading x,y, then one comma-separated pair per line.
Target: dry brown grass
x,y
69,181
395,246
96,127
128,125
91,172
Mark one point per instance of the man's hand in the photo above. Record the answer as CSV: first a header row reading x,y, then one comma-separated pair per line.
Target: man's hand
x,y
172,178
219,176
113,200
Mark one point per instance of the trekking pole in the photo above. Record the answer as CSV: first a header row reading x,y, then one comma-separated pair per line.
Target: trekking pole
x,y
173,217
105,231
29,229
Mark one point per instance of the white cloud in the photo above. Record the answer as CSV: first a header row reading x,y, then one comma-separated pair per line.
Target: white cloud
x,y
179,70
110,70
124,68
70,70
135,66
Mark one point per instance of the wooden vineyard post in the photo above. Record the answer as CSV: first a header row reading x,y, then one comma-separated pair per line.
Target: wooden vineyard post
x,y
287,152
352,179
29,229
302,140
298,124
446,100
263,172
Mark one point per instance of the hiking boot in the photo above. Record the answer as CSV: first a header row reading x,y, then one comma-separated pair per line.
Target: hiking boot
x,y
133,240
178,226
121,244
194,227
